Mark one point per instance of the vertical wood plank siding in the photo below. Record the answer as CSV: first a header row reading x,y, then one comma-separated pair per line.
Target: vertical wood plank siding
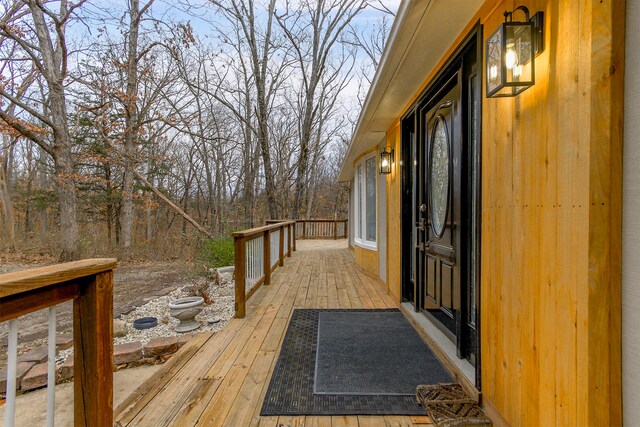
x,y
551,226
551,223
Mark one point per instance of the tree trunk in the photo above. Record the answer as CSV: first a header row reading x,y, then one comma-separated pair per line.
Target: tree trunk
x,y
42,184
131,129
54,74
5,194
303,161
7,206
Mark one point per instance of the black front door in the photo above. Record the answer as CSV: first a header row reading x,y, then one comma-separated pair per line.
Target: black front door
x,y
439,241
440,194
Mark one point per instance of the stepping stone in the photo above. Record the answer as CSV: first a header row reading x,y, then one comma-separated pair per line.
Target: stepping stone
x,y
35,378
64,341
21,370
117,312
161,346
37,355
127,353
65,372
183,339
213,320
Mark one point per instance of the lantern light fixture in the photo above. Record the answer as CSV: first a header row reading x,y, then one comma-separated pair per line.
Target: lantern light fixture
x,y
511,51
386,160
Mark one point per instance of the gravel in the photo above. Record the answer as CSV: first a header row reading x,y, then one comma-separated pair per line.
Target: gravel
x,y
222,295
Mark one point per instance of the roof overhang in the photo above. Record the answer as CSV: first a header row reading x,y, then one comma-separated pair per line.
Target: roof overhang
x,y
421,35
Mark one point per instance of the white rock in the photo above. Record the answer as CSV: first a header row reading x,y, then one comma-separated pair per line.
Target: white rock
x,y
119,328
222,307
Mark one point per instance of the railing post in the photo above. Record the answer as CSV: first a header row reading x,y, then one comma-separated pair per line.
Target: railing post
x,y
335,229
239,275
304,229
289,238
93,347
267,257
281,246
295,234
346,234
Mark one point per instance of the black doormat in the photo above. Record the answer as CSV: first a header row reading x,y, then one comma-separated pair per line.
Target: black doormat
x,y
291,390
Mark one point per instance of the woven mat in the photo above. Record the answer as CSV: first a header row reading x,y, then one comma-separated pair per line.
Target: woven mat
x,y
291,387
448,405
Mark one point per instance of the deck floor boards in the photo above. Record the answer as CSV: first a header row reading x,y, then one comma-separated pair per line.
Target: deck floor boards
x,y
221,379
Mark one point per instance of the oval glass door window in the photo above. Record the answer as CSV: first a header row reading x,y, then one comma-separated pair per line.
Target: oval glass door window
x,y
439,176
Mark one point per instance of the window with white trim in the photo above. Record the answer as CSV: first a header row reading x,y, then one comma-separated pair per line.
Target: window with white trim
x,y
365,202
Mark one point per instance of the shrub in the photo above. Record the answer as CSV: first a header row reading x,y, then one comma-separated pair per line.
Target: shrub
x,y
218,252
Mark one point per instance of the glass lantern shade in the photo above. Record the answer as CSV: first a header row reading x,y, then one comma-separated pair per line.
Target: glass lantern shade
x,y
386,158
510,59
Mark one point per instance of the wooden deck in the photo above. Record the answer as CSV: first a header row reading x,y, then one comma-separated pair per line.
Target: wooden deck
x,y
221,379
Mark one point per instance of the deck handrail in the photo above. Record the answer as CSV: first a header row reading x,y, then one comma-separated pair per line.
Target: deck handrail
x,y
258,252
319,228
89,283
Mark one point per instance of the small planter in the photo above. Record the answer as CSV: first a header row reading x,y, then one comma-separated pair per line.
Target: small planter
x,y
185,310
145,323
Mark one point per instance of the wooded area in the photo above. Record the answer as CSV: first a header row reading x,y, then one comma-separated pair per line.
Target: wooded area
x,y
234,111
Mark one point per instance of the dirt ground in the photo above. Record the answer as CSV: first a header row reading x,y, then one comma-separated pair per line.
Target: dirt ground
x,y
134,285
31,408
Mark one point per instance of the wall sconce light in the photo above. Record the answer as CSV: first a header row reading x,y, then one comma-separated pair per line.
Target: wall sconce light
x,y
511,53
386,159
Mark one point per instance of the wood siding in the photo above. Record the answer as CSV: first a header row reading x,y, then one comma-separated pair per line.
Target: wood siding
x,y
551,223
394,217
551,205
631,221
366,259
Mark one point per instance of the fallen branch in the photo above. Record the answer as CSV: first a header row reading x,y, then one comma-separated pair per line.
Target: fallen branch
x,y
172,205
158,193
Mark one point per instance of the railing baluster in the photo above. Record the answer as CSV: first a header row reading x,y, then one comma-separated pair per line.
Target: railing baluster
x,y
12,362
51,368
286,239
261,250
260,258
240,275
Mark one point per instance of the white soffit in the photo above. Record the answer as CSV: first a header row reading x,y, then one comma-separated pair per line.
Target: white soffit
x,y
421,35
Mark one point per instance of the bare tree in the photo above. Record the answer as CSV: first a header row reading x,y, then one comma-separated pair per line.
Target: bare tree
x,y
314,29
132,121
263,73
40,34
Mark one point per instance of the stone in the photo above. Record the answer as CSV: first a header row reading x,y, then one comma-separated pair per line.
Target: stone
x,y
183,339
127,353
64,341
161,346
213,320
124,310
21,370
37,355
35,378
65,372
119,328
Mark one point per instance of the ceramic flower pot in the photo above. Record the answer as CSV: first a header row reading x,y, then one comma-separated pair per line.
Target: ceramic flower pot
x,y
185,310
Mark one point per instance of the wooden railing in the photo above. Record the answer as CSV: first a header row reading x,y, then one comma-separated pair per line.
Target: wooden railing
x,y
319,228
89,283
258,252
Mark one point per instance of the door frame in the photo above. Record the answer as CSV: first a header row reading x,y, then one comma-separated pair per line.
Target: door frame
x,y
409,124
